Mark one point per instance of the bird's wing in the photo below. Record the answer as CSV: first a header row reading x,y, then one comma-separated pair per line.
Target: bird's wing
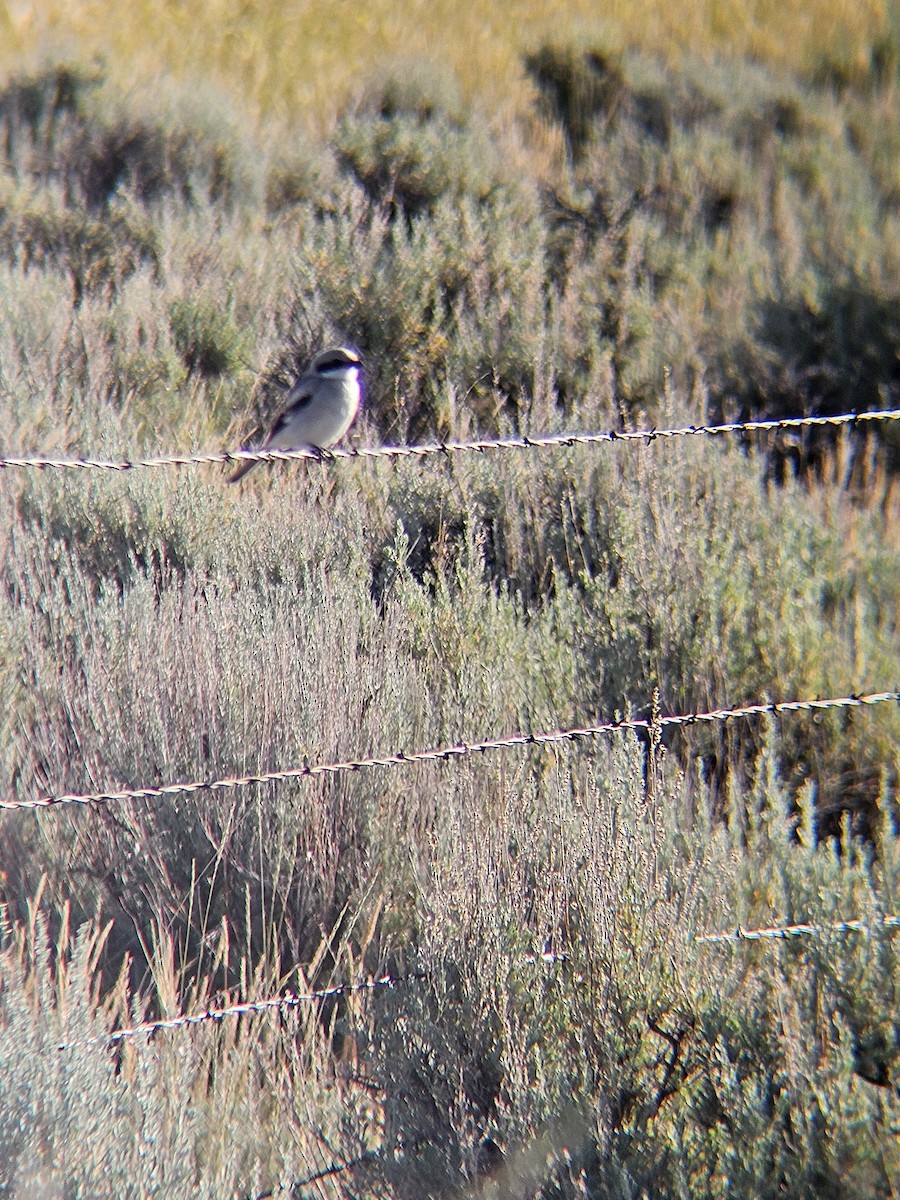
x,y
299,398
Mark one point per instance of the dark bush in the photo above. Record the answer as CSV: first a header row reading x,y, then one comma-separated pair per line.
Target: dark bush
x,y
577,89
32,108
96,252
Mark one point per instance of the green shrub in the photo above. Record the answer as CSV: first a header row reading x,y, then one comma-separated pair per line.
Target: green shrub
x,y
407,165
208,342
93,252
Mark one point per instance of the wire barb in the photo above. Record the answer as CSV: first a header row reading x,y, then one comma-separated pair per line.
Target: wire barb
x,y
149,1029
428,449
247,1008
443,753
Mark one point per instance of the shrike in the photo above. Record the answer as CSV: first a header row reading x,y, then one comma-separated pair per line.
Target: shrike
x,y
320,406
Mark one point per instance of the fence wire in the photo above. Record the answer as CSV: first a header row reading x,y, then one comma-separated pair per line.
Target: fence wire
x,y
453,752
461,749
245,1009
803,929
290,1000
428,449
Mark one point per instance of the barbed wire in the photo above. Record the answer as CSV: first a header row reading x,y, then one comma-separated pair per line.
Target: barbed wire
x,y
452,752
293,1000
244,1009
802,929
425,450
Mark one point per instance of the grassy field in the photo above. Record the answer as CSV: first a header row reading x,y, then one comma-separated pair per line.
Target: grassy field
x,y
524,226
303,62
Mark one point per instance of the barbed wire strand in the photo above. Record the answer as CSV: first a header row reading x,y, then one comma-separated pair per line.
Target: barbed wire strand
x,y
292,1000
802,929
247,1008
452,752
425,450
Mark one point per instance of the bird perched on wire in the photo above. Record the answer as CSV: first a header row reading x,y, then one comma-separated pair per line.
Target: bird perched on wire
x,y
320,406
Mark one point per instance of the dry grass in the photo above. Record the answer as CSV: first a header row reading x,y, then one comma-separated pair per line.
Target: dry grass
x,y
304,63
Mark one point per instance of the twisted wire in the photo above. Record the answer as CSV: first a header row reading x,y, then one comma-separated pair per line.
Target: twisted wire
x,y
292,1000
449,753
803,929
247,1008
425,450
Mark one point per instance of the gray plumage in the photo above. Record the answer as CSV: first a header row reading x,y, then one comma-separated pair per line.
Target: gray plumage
x,y
321,406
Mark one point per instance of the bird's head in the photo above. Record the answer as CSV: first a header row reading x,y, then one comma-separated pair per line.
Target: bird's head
x,y
337,361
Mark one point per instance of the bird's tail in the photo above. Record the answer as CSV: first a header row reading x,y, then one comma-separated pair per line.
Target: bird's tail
x,y
242,470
